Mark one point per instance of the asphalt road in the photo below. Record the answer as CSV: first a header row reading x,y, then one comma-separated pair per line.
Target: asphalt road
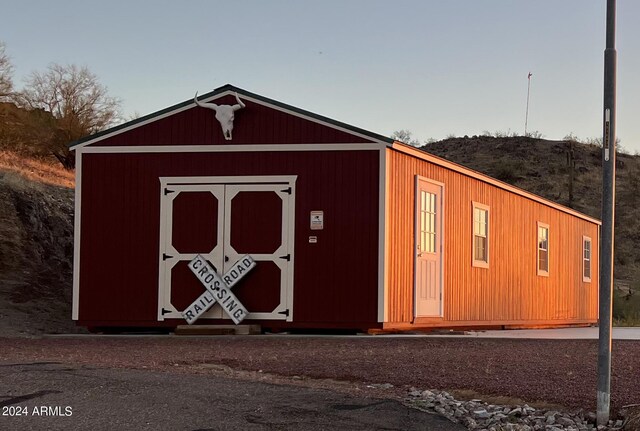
x,y
55,396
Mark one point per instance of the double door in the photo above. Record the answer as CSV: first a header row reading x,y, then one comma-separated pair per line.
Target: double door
x,y
223,219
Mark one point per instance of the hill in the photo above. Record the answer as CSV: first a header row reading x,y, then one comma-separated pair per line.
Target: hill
x,y
36,246
544,168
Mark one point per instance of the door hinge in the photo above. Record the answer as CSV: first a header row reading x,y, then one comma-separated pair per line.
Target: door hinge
x,y
285,312
287,190
167,191
166,256
165,311
287,257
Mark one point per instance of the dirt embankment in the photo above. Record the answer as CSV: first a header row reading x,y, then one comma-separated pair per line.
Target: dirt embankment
x,y
36,248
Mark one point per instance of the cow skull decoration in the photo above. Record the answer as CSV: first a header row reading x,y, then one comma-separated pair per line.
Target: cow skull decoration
x,y
224,114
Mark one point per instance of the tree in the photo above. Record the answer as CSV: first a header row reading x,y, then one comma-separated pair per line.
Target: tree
x,y
6,72
405,136
77,102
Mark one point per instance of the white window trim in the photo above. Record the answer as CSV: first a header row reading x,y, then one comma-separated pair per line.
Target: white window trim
x,y
542,272
586,239
475,262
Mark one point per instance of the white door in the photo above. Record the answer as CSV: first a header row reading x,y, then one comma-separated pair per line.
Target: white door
x,y
428,257
223,222
256,223
192,222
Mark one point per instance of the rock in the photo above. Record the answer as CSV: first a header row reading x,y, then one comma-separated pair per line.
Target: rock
x,y
498,417
516,412
478,415
470,423
380,386
618,424
565,421
481,414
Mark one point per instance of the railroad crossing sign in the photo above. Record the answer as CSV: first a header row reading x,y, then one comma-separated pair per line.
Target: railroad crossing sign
x,y
218,289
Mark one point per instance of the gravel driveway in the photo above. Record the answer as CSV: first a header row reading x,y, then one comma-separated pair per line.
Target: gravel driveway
x,y
561,372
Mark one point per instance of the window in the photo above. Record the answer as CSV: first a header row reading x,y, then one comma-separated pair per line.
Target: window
x,y
427,239
586,259
480,250
543,249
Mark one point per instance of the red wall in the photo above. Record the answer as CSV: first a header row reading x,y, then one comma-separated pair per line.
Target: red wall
x,y
255,124
335,280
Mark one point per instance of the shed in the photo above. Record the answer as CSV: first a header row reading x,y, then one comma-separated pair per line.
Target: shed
x,y
349,229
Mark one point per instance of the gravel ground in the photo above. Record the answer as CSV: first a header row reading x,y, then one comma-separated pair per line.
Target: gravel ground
x,y
552,372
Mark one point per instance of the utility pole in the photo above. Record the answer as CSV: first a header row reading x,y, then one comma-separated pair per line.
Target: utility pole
x,y
526,116
608,215
571,163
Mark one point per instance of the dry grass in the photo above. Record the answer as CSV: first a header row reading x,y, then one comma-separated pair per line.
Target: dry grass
x,y
44,171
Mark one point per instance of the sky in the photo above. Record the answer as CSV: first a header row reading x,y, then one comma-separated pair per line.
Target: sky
x,y
436,68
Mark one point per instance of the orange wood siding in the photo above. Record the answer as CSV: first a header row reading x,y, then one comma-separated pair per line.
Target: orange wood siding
x,y
510,289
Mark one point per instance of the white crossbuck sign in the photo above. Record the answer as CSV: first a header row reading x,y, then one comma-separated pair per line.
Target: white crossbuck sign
x,y
218,289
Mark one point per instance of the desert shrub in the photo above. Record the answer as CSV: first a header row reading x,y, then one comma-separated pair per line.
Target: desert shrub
x,y
509,171
626,307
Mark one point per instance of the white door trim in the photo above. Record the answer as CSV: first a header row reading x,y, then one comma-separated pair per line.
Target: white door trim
x,y
214,256
231,190
206,184
256,179
441,244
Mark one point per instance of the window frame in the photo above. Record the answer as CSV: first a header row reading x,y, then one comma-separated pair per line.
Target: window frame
x,y
542,272
585,240
478,263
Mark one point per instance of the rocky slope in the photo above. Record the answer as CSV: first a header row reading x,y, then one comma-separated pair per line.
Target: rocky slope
x,y
544,167
36,254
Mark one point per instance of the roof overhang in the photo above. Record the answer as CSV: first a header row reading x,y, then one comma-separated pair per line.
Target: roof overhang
x,y
420,154
221,92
